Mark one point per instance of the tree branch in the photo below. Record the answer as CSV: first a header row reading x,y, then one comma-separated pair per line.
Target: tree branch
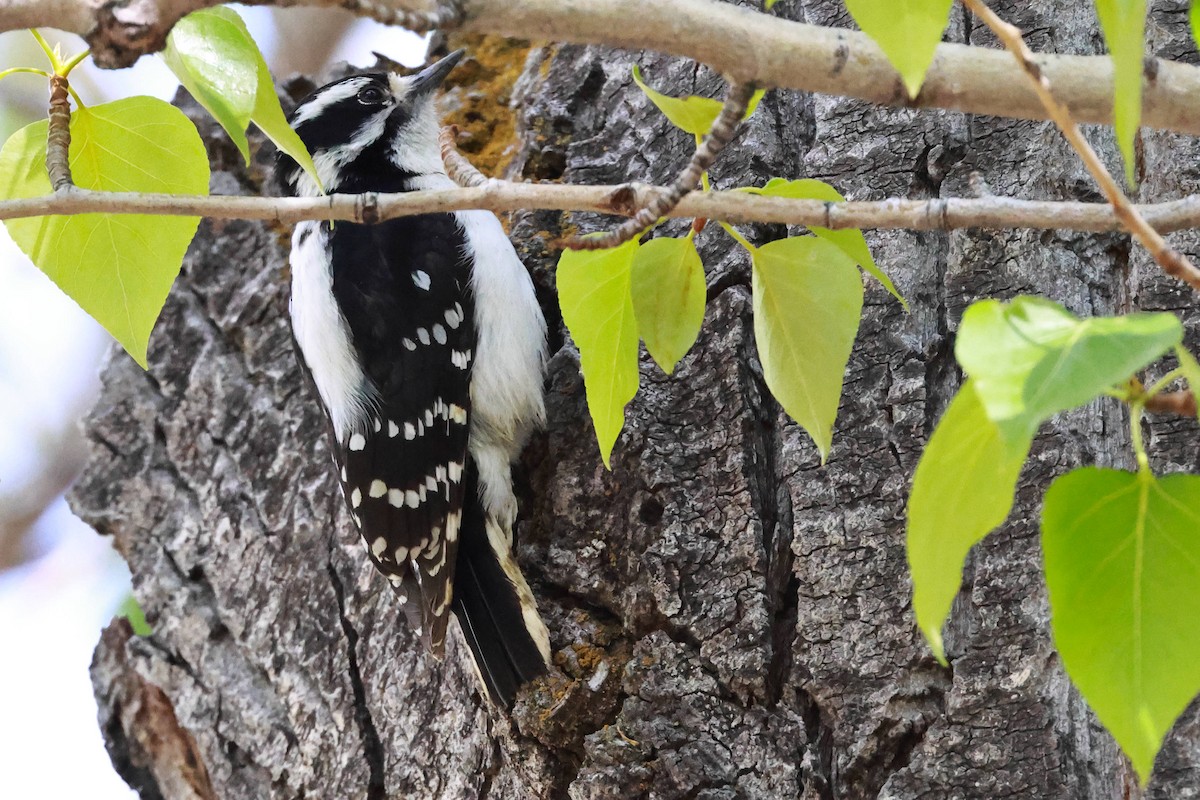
x,y
1172,261
460,170
748,46
737,100
58,136
445,14
624,200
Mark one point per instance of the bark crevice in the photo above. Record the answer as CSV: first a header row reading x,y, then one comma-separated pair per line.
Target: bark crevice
x,y
372,745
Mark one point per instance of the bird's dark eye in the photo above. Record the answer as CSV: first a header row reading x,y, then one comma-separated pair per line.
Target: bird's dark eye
x,y
372,96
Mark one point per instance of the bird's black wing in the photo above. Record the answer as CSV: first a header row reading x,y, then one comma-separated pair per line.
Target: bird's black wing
x,y
404,287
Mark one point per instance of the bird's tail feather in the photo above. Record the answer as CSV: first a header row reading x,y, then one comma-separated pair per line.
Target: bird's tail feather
x,y
494,606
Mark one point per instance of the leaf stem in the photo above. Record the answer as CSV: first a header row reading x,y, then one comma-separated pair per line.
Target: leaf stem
x,y
31,70
78,102
55,62
73,62
738,237
1135,432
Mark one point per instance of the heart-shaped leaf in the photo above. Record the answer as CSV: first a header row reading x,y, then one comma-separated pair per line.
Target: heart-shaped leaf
x,y
1031,358
118,267
907,31
215,58
807,305
962,490
213,55
668,297
1122,555
1124,26
594,295
693,114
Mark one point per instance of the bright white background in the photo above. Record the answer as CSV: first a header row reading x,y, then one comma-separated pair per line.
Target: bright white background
x,y
69,582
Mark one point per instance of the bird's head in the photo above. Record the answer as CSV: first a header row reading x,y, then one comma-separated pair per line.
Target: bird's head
x,y
370,131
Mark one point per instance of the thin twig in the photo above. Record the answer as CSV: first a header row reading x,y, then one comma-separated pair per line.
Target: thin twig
x,y
723,130
58,138
1171,260
1181,403
460,170
937,214
446,15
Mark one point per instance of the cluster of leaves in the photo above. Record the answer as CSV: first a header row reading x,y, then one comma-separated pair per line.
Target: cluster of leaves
x,y
807,290
119,268
1122,562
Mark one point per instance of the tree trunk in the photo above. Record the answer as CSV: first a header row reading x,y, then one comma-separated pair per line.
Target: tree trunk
x,y
731,618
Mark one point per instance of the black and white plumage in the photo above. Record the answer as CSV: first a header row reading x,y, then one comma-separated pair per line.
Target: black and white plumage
x,y
426,345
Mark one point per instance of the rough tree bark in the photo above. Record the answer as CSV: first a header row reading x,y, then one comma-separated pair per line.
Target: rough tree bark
x,y
731,618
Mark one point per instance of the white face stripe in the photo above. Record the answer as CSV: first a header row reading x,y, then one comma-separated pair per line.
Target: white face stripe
x,y
400,85
415,148
325,99
369,131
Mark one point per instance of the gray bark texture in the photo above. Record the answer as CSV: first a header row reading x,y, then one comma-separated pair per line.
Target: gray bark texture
x,y
731,619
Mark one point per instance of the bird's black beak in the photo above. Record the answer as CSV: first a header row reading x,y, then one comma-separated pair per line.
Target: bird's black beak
x,y
428,79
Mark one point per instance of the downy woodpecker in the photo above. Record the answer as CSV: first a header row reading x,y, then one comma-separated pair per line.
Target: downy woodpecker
x,y
426,346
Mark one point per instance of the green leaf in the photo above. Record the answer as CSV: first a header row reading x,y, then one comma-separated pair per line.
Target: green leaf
x,y
1194,17
214,57
668,297
1124,26
907,31
807,304
118,267
594,295
1031,358
962,490
850,240
693,114
131,611
1191,371
1122,555
269,117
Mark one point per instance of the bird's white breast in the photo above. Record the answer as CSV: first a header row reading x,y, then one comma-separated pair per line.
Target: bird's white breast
x,y
506,384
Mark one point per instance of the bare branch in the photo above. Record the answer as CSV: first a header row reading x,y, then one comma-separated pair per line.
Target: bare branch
x,y
445,15
625,200
1172,261
58,137
745,44
723,129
